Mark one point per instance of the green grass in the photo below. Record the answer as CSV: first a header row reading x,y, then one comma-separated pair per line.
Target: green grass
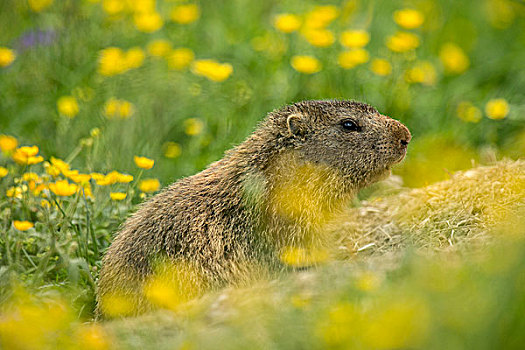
x,y
389,242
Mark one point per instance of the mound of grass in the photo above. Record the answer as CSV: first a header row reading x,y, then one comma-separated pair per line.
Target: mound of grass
x,y
431,268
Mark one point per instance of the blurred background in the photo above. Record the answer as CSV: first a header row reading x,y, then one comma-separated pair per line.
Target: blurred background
x,y
182,81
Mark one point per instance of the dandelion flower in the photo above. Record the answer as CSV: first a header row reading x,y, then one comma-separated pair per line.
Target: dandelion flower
x,y
7,56
296,256
159,48
409,18
172,150
180,58
193,126
321,16
117,196
8,143
143,162
27,155
112,61
149,185
286,22
124,178
185,14
67,106
113,7
3,172
467,112
148,22
14,192
497,108
92,336
118,108
353,58
354,38
306,64
39,5
402,42
319,37
63,188
80,178
453,58
23,225
422,72
212,69
380,67
134,57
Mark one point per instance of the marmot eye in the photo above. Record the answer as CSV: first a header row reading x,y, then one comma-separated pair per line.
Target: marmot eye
x,y
350,125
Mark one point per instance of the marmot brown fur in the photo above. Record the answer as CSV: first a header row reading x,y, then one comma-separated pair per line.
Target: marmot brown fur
x,y
276,190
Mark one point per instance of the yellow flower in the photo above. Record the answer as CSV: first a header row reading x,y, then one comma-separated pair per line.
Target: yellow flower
x,y
39,5
22,225
159,48
68,106
15,192
80,178
62,166
134,57
296,256
95,132
400,324
7,143
118,108
381,67
3,172
185,14
467,112
193,126
180,58
402,42
453,58
27,177
92,336
172,150
497,108
124,178
63,188
212,69
409,18
143,162
353,58
368,281
422,72
7,56
112,61
319,37
321,16
27,155
149,185
148,22
354,38
286,22
141,5
306,64
117,196
113,7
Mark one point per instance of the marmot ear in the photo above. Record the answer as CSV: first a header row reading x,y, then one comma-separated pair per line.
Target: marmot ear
x,y
295,124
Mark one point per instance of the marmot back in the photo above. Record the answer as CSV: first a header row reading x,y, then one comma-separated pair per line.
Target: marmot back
x,y
275,191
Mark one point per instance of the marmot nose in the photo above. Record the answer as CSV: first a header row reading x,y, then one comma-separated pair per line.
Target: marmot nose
x,y
402,133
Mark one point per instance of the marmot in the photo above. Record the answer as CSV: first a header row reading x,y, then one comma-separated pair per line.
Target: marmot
x,y
294,173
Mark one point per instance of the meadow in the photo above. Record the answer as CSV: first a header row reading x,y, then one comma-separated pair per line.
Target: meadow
x,y
103,102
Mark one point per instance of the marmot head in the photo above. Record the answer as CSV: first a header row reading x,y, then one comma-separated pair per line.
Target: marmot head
x,y
350,136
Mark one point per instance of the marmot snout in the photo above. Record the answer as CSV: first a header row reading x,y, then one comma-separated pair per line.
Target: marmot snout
x,y
277,189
